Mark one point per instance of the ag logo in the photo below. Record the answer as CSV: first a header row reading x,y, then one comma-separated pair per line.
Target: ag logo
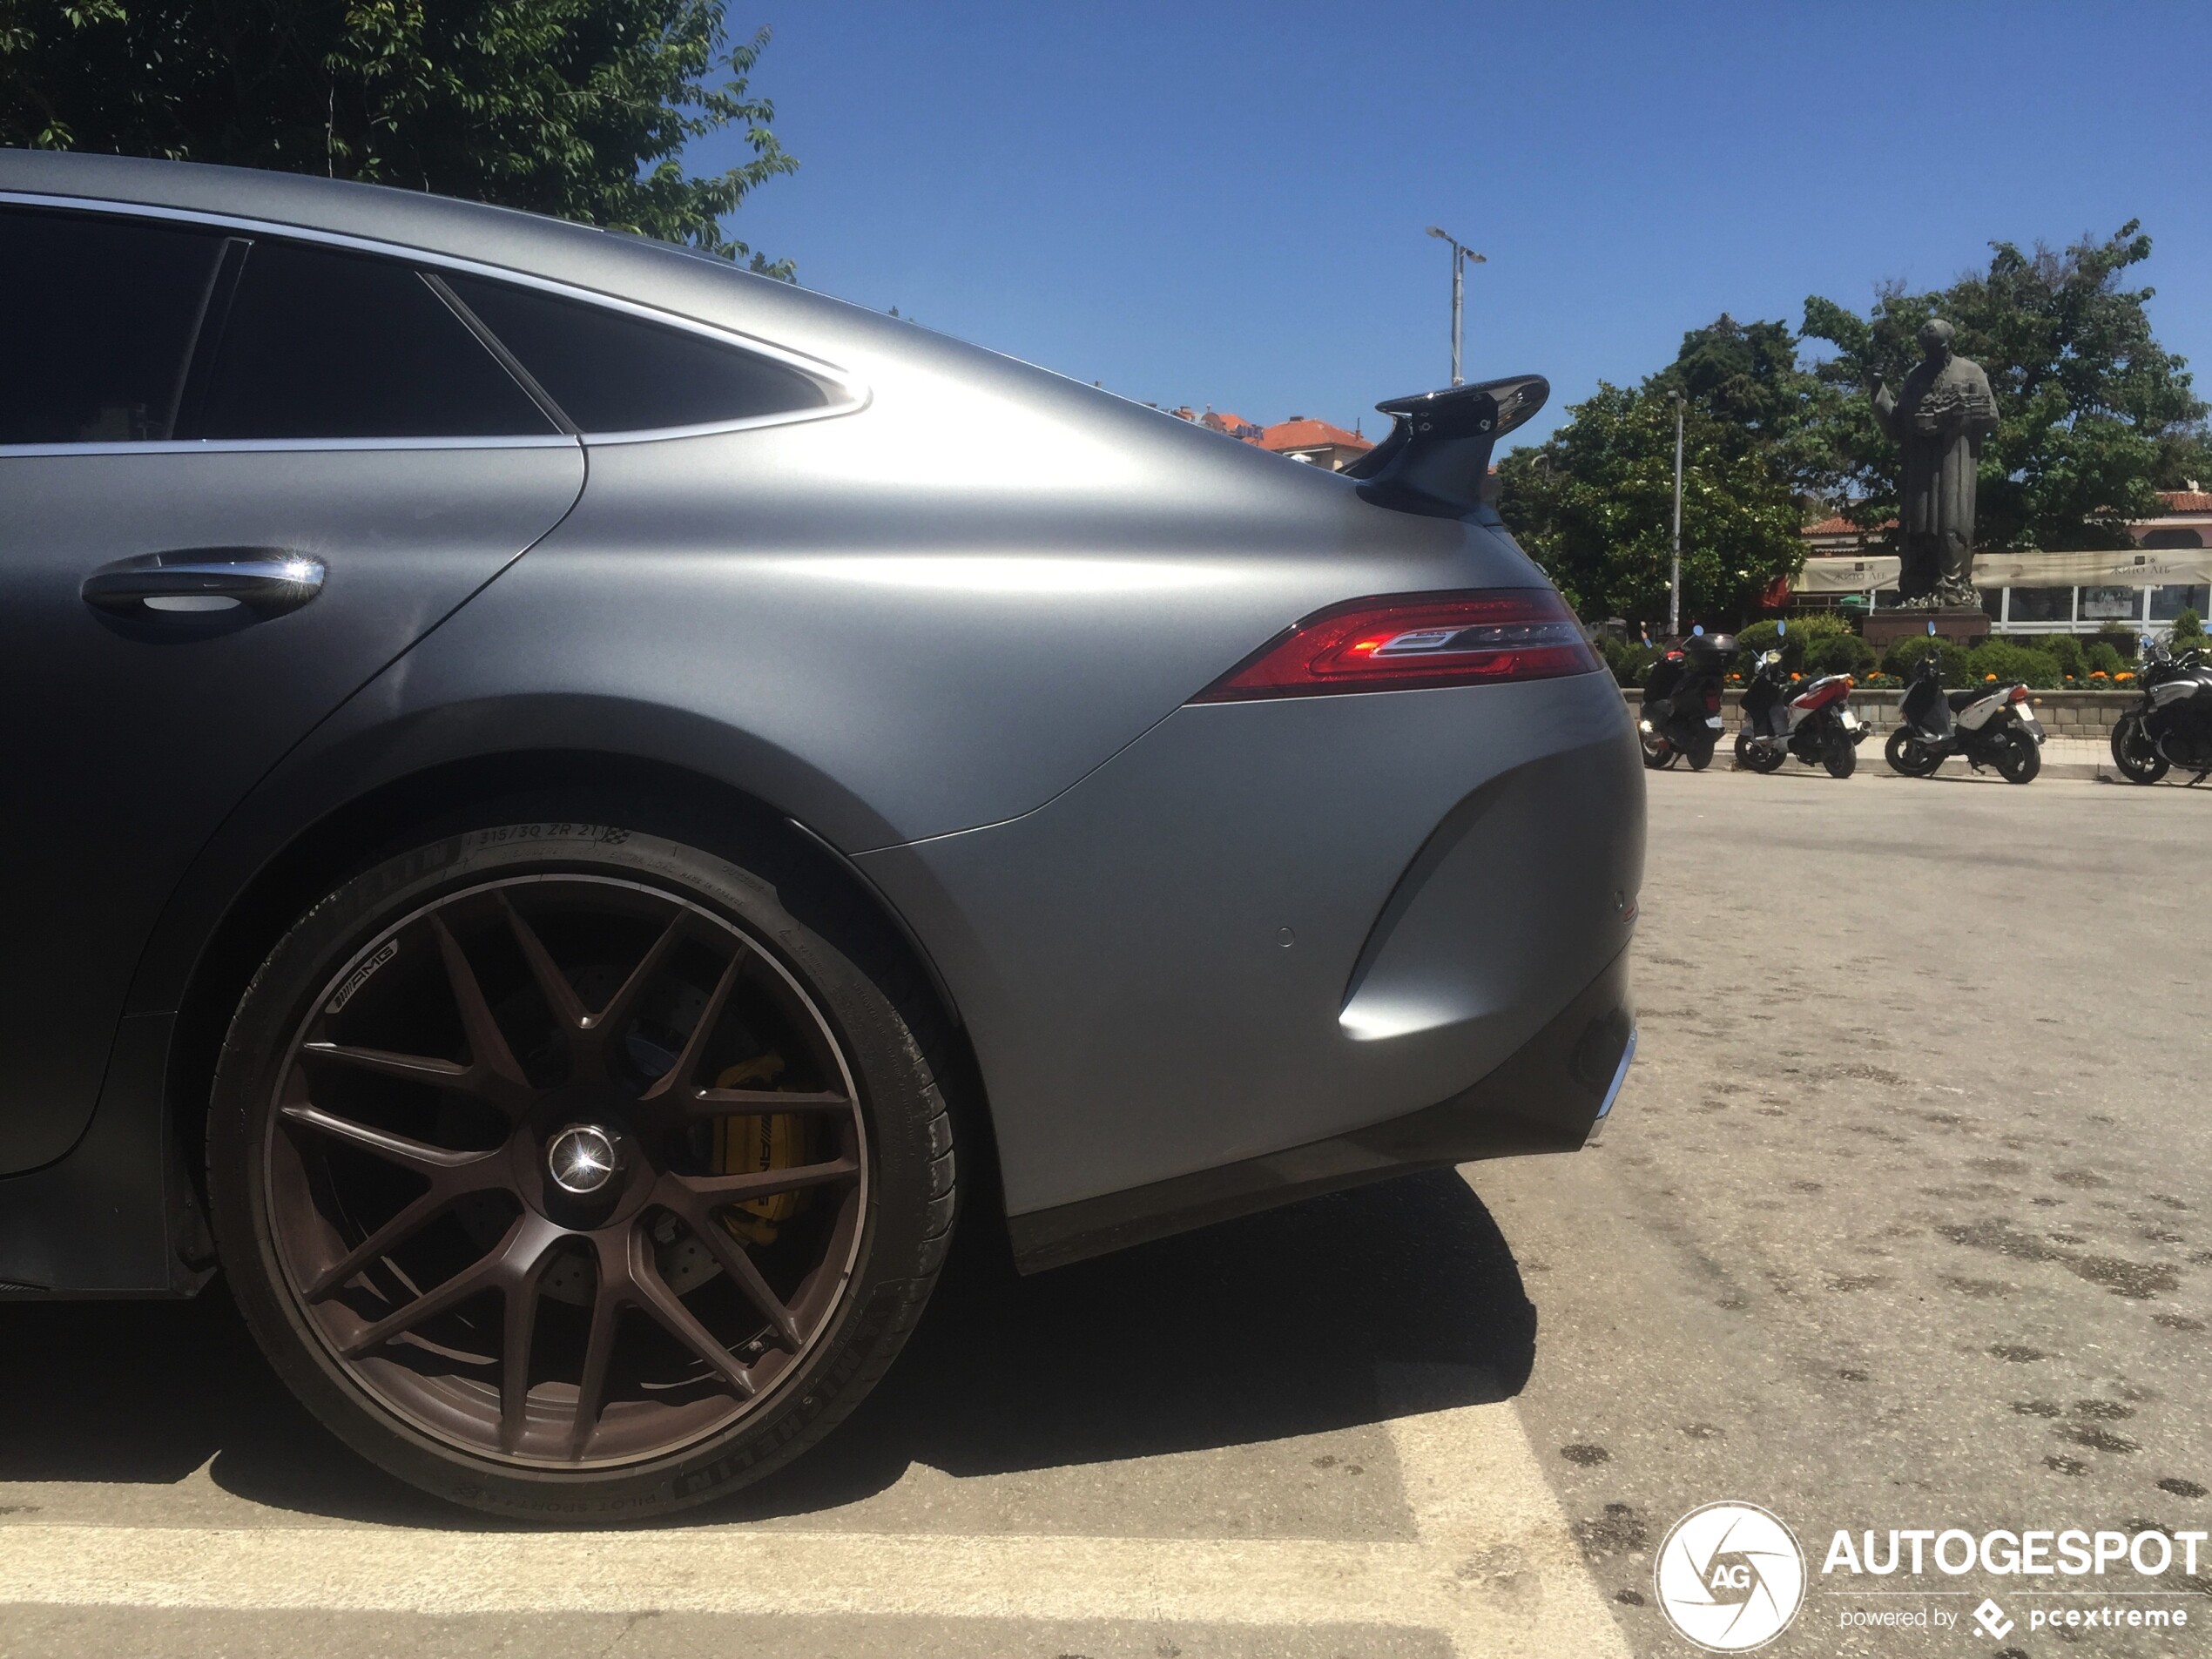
x,y
1730,1577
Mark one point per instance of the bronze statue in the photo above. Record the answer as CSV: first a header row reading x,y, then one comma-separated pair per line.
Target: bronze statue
x,y
1939,421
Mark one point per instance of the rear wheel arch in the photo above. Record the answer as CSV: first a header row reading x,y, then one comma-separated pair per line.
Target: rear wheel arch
x,y
819,881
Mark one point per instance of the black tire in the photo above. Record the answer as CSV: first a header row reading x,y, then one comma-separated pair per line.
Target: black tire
x,y
2020,758
1907,755
1840,757
1699,757
2132,752
1658,753
1766,759
887,1219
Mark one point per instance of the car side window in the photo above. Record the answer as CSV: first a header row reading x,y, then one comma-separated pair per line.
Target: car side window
x,y
317,343
611,372
97,317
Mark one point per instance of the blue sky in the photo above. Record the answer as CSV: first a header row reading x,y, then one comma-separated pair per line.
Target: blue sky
x,y
1224,205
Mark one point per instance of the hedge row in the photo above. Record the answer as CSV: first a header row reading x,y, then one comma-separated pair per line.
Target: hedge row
x,y
1826,646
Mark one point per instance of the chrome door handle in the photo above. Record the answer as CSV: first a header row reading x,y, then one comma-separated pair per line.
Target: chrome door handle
x,y
266,581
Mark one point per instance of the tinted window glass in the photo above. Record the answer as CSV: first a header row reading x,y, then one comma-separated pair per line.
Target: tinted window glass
x,y
2108,604
2168,602
318,344
614,373
2042,604
96,322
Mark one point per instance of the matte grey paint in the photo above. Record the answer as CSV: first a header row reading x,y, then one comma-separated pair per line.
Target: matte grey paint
x,y
951,632
1118,953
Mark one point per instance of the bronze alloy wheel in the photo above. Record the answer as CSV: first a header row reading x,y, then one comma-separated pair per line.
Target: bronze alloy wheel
x,y
565,1173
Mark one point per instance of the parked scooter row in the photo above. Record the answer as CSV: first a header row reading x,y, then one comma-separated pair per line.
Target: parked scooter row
x,y
1681,717
1814,721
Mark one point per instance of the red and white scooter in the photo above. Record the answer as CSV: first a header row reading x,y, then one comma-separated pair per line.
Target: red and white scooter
x,y
1815,722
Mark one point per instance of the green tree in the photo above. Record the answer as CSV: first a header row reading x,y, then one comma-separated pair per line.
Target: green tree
x,y
576,108
1594,504
2095,415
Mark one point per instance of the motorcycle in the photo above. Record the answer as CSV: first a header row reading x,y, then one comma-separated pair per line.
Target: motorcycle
x,y
1816,725
1995,728
2173,726
1681,717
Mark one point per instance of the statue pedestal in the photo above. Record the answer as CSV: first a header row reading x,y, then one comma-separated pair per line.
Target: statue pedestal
x,y
1884,628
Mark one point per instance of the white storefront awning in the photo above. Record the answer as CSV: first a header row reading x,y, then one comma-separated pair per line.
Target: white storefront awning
x,y
2121,567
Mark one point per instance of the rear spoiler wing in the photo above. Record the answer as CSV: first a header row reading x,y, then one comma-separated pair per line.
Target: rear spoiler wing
x,y
1437,457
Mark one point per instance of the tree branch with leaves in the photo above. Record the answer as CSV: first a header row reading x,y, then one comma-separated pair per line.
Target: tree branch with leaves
x,y
580,109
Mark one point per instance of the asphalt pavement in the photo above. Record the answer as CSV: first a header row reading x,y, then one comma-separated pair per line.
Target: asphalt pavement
x,y
1900,1223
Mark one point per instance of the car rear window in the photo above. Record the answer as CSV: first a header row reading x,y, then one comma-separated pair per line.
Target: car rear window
x,y
612,372
96,320
322,344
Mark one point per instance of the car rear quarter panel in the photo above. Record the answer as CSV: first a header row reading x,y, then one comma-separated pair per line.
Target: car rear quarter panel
x,y
914,643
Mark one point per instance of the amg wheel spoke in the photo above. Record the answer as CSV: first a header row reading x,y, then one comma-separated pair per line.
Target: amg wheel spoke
x,y
607,1304
745,1103
517,1334
553,984
524,1244
680,1076
458,1289
489,1058
394,1232
414,1067
598,1031
436,1161
653,1297
718,1189
700,1216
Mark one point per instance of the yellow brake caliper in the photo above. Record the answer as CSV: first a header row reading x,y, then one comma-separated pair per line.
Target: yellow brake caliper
x,y
754,1143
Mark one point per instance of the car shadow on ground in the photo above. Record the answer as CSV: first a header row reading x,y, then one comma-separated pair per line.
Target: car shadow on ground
x,y
1251,1330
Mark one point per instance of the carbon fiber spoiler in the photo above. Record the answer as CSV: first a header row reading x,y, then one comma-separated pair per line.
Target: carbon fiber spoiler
x,y
1438,453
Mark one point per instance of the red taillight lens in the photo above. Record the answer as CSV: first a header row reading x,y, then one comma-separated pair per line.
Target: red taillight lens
x,y
2019,694
1401,642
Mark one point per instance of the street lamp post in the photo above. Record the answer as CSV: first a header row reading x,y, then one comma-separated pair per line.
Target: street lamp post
x,y
1461,257
1674,582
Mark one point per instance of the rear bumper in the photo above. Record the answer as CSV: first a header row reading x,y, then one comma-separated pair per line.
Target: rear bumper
x,y
1272,925
1551,1096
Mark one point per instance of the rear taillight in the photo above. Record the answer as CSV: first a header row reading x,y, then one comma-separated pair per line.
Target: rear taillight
x,y
1402,642
2018,694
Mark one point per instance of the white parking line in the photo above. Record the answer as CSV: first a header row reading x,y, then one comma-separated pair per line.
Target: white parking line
x,y
1486,1516
1494,1568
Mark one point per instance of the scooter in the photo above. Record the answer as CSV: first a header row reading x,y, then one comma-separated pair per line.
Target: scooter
x,y
2173,726
1995,728
1816,725
1681,717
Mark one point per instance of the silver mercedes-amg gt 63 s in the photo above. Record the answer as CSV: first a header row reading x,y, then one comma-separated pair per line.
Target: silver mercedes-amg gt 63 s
x,y
571,806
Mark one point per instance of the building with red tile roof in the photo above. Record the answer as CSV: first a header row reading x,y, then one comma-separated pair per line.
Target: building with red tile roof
x,y
1229,425
1303,437
1317,442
